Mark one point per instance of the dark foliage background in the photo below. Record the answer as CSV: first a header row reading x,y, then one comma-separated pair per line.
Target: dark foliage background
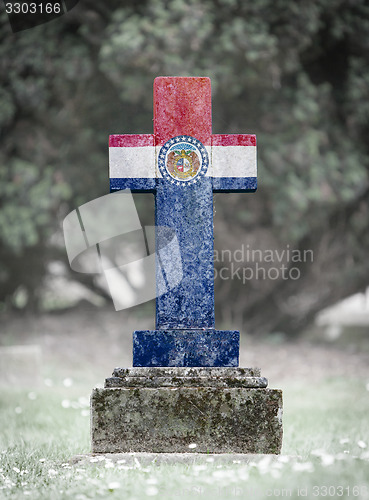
x,y
294,73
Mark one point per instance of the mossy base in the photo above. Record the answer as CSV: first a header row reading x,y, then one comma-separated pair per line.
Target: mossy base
x,y
170,419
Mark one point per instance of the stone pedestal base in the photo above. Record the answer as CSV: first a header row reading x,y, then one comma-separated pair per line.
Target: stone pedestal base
x,y
165,410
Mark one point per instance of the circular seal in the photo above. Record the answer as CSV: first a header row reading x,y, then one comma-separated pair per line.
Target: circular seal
x,y
183,160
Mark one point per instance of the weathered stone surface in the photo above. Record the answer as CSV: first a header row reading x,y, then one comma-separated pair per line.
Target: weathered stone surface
x,y
254,382
189,377
217,420
194,371
199,347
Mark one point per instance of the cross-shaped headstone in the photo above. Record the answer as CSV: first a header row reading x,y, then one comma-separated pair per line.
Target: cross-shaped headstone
x,y
183,163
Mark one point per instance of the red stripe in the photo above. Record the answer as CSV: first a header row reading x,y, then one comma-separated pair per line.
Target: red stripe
x,y
234,140
139,140
131,140
182,106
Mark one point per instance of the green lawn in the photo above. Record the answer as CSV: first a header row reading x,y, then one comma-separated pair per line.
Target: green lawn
x,y
325,451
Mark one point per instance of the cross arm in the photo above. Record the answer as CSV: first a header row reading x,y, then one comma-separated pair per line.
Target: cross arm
x,y
132,162
233,163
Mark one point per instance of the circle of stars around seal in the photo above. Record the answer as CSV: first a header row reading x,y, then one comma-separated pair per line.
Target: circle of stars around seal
x,y
200,148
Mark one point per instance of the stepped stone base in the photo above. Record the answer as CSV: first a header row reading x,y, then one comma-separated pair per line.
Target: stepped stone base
x,y
165,410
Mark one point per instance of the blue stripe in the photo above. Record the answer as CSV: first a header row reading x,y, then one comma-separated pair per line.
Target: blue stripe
x,y
139,185
234,184
231,184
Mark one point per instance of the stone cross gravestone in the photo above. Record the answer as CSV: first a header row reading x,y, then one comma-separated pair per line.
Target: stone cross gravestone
x,y
185,385
183,163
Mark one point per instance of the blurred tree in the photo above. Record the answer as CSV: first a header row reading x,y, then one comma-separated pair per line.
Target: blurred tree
x,y
296,74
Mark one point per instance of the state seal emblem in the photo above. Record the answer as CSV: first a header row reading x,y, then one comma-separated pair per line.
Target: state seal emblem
x,y
183,160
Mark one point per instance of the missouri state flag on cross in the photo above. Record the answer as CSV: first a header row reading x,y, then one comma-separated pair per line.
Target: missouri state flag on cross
x,y
183,163
182,150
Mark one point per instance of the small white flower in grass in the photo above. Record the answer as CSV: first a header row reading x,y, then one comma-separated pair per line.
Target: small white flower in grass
x,y
361,444
303,467
109,465
42,460
94,459
243,473
15,469
52,472
152,491
327,460
264,464
122,461
277,465
67,382
32,396
318,453
26,492
200,467
210,459
18,410
344,440
341,456
218,473
48,382
225,474
152,480
85,413
24,483
65,403
83,401
284,459
192,446
275,473
114,485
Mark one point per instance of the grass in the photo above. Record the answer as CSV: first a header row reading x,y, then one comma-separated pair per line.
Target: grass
x,y
325,451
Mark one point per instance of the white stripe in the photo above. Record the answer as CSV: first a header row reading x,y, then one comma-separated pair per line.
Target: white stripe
x,y
141,162
233,161
132,162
